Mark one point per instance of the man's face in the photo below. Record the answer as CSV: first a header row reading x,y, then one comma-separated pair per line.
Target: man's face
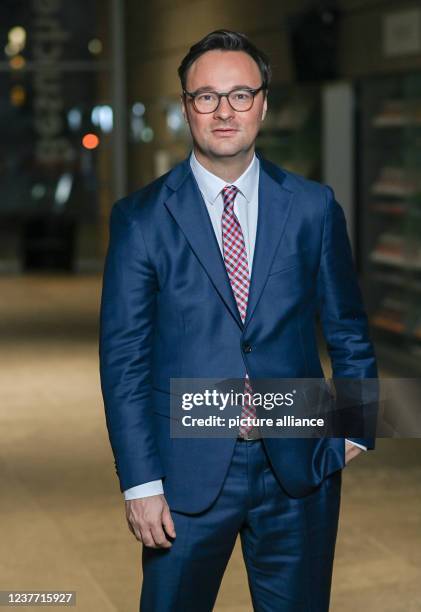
x,y
224,132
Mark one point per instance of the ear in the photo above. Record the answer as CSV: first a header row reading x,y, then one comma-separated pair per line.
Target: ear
x,y
183,108
265,107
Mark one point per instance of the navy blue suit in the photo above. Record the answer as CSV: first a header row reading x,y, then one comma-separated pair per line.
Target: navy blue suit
x,y
168,311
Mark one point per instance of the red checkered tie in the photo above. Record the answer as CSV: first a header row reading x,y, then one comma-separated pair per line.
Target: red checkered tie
x,y
235,257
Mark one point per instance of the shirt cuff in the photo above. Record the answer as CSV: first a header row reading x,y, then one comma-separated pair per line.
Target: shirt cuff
x,y
147,489
356,444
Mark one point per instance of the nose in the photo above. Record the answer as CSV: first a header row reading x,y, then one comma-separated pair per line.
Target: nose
x,y
224,110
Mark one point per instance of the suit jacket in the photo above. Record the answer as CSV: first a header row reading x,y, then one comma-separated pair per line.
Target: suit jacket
x,y
168,311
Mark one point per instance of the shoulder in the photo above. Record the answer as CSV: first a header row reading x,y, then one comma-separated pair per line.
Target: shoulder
x,y
148,200
293,181
144,200
312,198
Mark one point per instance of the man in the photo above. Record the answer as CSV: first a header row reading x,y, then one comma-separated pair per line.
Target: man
x,y
217,270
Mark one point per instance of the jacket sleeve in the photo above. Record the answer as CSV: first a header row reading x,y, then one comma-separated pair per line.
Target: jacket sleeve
x,y
125,346
343,318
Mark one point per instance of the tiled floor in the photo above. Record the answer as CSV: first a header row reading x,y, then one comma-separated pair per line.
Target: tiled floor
x,y
62,521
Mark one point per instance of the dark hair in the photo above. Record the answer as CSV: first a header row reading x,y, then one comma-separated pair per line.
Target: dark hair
x,y
228,41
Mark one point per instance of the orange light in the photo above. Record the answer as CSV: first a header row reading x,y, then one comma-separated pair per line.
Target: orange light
x,y
17,95
90,141
17,62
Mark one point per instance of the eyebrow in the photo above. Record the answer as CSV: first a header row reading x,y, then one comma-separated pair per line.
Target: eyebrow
x,y
211,88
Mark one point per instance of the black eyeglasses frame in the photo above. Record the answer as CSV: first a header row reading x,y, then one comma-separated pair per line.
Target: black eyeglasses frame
x,y
254,92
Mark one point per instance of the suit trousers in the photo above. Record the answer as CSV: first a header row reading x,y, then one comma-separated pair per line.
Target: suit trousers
x,y
288,543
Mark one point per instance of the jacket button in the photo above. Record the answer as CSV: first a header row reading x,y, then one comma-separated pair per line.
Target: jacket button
x,y
247,348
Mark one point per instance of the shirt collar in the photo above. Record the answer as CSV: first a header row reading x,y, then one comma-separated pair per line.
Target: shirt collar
x,y
211,185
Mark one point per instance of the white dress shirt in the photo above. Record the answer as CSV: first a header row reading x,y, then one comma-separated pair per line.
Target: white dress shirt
x,y
246,210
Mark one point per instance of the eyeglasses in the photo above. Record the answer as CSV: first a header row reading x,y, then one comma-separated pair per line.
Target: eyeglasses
x,y
240,99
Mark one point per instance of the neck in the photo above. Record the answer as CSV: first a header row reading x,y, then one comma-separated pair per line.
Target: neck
x,y
226,168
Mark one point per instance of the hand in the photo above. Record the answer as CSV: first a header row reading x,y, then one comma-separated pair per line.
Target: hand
x,y
146,517
351,451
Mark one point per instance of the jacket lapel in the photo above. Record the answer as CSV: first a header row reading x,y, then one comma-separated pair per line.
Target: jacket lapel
x,y
274,206
188,208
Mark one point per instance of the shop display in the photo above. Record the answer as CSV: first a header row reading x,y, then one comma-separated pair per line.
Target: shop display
x,y
389,152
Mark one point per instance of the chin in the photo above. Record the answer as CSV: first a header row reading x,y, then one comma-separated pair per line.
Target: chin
x,y
227,150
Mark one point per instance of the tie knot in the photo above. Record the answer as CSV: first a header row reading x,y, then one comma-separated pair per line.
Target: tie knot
x,y
228,194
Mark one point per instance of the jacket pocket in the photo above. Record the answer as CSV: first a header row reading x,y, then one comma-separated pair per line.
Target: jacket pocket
x,y
287,262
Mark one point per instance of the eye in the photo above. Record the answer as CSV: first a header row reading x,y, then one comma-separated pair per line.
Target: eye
x,y
205,97
241,95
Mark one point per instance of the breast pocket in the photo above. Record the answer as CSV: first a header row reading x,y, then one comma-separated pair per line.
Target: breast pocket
x,y
287,262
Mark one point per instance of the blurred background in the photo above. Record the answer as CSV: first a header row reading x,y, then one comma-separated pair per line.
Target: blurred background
x,y
89,111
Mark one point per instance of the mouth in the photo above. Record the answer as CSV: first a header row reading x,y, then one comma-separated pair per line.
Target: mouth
x,y
224,131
